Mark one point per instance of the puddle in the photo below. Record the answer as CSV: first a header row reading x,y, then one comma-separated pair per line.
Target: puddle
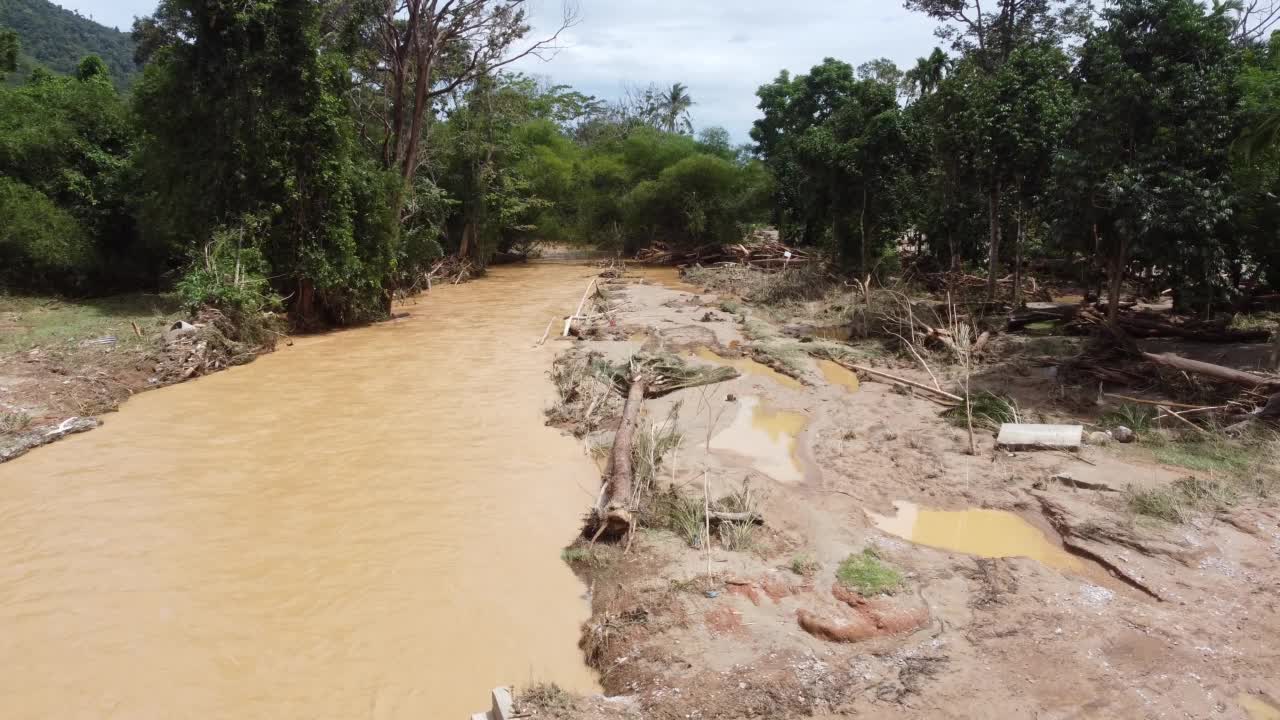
x,y
838,375
747,366
667,276
985,533
832,332
769,438
1257,708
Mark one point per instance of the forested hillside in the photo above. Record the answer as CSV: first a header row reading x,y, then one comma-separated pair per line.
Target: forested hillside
x,y
58,39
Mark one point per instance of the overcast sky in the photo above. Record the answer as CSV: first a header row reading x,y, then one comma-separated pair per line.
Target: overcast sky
x,y
722,49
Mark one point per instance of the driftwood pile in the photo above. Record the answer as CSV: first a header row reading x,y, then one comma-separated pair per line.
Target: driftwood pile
x,y
1143,324
761,250
962,284
1088,319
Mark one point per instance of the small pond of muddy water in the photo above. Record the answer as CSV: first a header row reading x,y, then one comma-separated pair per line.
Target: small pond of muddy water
x,y
768,438
747,366
367,524
985,533
839,375
1257,708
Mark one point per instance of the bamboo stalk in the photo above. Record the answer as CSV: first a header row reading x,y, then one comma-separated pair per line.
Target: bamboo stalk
x,y
895,378
568,324
1179,418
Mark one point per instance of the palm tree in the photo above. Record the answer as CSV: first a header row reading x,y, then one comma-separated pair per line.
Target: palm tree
x,y
675,104
928,74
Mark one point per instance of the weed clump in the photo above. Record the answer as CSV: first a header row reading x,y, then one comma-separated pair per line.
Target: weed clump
x,y
1175,503
866,573
14,422
989,411
1137,418
805,565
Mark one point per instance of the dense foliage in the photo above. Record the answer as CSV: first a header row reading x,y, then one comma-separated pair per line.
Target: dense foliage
x,y
331,154
1105,140
58,39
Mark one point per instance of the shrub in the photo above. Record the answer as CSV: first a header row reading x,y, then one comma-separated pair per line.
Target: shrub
x,y
41,245
231,275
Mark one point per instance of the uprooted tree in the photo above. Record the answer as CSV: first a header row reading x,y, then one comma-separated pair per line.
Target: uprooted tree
x,y
642,377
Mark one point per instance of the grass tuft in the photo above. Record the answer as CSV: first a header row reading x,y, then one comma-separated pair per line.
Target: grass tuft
x,y
989,411
1137,418
867,574
805,565
14,422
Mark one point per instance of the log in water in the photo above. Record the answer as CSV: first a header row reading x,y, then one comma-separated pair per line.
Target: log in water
x,y
365,525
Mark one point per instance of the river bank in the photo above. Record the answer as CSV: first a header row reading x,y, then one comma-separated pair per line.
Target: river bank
x,y
896,574
64,363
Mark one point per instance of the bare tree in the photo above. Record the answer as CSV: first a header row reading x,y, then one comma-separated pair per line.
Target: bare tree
x,y
432,47
1251,19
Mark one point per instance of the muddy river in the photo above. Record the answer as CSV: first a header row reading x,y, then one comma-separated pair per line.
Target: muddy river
x,y
364,525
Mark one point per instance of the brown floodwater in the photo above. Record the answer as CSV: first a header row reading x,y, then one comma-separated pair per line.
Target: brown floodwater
x,y
365,525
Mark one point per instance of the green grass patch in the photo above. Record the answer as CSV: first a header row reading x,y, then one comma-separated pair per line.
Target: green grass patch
x,y
868,574
27,322
1256,321
1214,455
1175,503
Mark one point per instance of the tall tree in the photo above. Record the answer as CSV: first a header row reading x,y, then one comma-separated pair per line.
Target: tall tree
x,y
676,102
246,127
8,52
1157,94
429,49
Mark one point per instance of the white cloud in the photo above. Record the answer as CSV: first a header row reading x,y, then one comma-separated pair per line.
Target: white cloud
x,y
722,49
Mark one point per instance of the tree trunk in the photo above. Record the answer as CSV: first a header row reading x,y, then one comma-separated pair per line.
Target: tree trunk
x,y
993,262
1225,374
1017,256
862,230
613,514
1115,275
422,82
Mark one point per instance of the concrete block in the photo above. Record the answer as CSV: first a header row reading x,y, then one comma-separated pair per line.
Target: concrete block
x,y
1020,436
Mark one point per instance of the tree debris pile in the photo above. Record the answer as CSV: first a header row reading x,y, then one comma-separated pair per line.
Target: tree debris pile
x,y
761,250
642,376
207,347
963,285
585,397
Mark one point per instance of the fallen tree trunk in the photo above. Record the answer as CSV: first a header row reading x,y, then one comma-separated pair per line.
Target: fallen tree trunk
x,y
613,515
1225,374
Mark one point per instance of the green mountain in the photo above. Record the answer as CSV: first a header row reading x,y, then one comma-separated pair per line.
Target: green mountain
x,y
59,39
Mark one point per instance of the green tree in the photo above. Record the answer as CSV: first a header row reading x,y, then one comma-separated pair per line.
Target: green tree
x,y
244,115
8,52
1149,159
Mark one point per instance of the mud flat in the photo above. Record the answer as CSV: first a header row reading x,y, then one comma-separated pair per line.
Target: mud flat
x,y
896,575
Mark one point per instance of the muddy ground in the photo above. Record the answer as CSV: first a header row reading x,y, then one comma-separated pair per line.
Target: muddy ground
x,y
1120,615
